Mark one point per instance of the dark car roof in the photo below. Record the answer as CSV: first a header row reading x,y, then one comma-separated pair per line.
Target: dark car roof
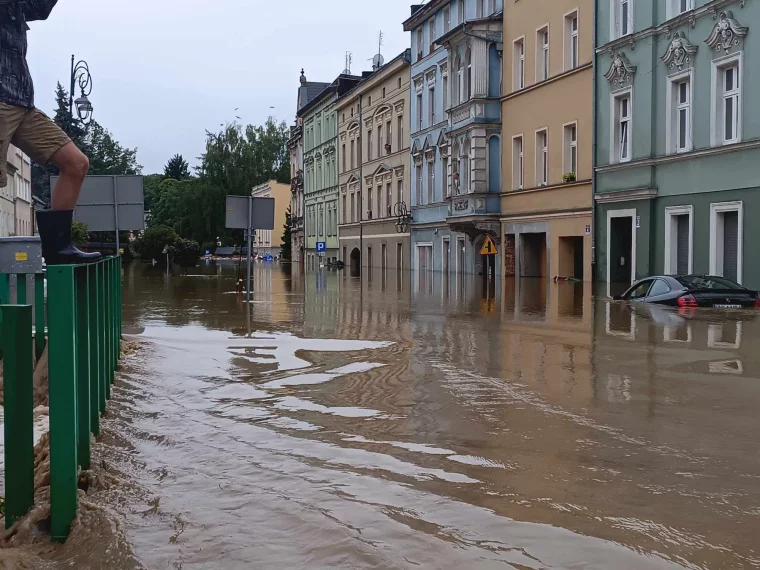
x,y
677,280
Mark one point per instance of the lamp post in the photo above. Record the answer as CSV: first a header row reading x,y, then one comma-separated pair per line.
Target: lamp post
x,y
80,75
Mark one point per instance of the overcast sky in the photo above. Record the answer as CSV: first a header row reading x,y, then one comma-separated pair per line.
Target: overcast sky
x,y
165,71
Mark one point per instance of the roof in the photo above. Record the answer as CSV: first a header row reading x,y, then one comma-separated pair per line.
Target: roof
x,y
341,85
420,13
405,56
313,89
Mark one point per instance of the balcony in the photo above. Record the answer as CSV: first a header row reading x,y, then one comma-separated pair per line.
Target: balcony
x,y
296,224
296,183
474,214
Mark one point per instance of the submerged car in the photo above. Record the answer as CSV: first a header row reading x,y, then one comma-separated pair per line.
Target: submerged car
x,y
692,291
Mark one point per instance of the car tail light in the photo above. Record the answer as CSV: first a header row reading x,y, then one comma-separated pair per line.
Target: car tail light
x,y
757,302
687,301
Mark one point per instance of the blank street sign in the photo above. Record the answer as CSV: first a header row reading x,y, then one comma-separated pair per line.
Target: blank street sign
x,y
262,213
99,195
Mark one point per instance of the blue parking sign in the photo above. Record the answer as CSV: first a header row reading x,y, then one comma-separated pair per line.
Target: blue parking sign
x,y
321,247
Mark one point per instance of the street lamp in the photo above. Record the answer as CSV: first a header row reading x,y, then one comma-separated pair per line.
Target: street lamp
x,y
80,75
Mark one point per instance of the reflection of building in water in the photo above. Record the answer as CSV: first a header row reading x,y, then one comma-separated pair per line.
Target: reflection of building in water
x,y
270,241
270,292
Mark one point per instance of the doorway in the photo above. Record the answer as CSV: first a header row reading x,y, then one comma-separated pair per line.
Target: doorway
x,y
571,257
621,247
533,255
356,262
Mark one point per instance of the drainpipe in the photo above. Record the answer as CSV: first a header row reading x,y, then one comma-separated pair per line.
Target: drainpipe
x,y
361,191
593,152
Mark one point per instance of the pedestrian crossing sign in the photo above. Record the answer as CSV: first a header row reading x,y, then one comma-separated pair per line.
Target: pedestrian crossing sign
x,y
489,247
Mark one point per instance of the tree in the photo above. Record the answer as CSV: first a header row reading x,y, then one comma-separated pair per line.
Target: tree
x,y
287,246
185,253
153,241
79,234
177,168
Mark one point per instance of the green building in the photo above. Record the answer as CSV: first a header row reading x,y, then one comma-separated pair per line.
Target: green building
x,y
320,170
677,139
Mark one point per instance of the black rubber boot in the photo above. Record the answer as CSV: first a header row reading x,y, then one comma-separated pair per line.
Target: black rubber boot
x,y
55,233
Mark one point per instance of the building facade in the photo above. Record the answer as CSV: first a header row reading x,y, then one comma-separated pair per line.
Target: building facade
x,y
16,214
455,101
548,135
678,140
320,167
270,241
306,92
373,153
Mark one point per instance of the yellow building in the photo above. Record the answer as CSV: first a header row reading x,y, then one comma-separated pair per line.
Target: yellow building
x,y
547,126
270,241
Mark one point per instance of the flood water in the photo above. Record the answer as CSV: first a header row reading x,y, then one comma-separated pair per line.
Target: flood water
x,y
411,422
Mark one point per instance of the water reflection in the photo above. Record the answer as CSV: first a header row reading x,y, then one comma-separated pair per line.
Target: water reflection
x,y
472,410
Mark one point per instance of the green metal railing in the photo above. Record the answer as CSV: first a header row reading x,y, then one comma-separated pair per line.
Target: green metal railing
x,y
21,299
84,338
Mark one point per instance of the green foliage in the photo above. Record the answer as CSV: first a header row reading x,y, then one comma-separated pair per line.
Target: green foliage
x,y
185,253
106,155
79,234
177,168
287,248
153,241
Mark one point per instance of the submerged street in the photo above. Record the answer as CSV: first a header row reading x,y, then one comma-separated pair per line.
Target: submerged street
x,y
412,422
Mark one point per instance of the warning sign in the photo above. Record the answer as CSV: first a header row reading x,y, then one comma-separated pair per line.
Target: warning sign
x,y
489,247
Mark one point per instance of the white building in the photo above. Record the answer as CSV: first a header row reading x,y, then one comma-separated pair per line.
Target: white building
x,y
16,214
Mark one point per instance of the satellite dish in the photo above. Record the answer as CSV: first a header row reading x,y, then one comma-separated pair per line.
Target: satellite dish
x,y
378,61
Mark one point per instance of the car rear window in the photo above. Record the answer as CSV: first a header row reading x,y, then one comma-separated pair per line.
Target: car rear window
x,y
696,282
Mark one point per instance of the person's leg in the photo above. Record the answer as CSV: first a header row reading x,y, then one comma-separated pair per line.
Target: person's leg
x,y
73,165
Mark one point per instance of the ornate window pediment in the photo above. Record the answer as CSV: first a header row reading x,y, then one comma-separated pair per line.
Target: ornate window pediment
x,y
430,78
621,71
399,171
727,33
418,84
680,52
399,107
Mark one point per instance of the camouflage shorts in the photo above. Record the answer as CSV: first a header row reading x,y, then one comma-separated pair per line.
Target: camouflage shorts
x,y
32,131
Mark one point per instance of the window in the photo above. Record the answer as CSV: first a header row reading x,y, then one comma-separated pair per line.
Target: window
x,y
571,149
468,62
344,212
677,7
383,92
343,157
482,7
399,83
519,64
388,137
431,182
380,141
379,201
353,154
542,51
571,41
622,113
622,23
446,19
431,33
431,102
353,206
400,191
369,144
518,177
445,174
369,100
679,240
727,240
460,80
359,207
660,287
400,132
730,115
542,157
678,108
389,200
369,203
419,184
419,109
420,41
445,89
460,11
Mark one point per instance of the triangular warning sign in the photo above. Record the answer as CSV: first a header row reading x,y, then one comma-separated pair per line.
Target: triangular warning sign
x,y
489,247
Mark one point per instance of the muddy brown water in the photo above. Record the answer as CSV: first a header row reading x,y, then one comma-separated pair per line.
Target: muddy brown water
x,y
416,422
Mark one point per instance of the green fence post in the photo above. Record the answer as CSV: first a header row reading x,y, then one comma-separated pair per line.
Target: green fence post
x,y
119,320
63,400
83,366
18,406
107,327
101,338
5,299
39,314
94,411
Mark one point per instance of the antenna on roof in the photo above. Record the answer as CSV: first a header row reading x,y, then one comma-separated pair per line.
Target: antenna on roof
x,y
378,60
349,59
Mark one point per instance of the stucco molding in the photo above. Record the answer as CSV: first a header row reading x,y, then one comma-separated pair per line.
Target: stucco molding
x,y
626,195
399,171
621,72
399,107
680,52
727,33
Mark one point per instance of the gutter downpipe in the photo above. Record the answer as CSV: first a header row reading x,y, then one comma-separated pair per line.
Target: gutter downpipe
x,y
361,195
593,150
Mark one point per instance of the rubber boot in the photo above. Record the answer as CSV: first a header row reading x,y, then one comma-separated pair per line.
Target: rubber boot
x,y
55,233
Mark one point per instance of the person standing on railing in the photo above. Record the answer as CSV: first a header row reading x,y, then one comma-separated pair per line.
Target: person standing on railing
x,y
36,134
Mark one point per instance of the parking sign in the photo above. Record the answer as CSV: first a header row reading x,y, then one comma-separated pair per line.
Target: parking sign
x,y
321,247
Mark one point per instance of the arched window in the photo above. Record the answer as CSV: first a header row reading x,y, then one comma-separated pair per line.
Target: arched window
x,y
460,80
468,63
